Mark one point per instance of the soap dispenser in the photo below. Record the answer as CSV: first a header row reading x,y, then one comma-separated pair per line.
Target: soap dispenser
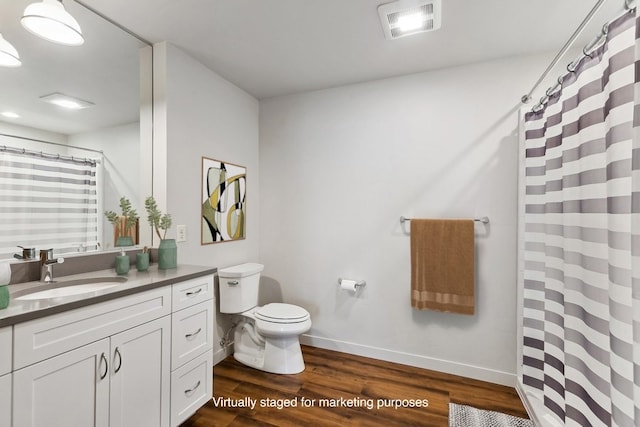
x,y
122,263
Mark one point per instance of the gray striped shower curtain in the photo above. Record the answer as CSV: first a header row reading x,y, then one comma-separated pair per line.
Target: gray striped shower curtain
x,y
581,309
47,201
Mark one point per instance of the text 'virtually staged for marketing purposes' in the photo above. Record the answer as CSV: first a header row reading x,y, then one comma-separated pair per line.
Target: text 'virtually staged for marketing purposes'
x,y
303,402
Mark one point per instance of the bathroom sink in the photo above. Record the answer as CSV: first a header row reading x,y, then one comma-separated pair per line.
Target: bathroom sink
x,y
71,287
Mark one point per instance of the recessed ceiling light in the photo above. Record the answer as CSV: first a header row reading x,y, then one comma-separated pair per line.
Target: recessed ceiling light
x,y
412,21
66,101
10,115
406,17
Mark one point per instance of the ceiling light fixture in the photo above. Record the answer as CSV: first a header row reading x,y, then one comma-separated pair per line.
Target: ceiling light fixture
x,y
49,19
8,54
66,101
406,17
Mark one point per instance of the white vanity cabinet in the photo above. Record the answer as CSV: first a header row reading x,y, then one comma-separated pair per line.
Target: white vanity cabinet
x,y
6,351
110,363
122,380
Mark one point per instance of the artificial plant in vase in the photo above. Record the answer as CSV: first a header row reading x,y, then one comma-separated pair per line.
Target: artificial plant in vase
x,y
167,250
124,224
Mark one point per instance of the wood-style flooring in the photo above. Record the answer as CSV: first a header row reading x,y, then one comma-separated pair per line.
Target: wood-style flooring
x,y
340,389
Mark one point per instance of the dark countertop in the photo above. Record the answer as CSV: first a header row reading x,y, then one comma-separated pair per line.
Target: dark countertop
x,y
23,310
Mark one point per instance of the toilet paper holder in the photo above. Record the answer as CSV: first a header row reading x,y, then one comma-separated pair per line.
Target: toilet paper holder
x,y
358,285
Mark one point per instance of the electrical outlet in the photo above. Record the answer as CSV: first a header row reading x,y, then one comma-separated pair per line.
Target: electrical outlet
x,y
181,233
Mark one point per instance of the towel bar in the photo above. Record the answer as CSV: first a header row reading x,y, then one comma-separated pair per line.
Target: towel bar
x,y
484,219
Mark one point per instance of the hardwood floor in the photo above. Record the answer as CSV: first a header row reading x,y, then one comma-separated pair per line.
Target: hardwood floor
x,y
339,389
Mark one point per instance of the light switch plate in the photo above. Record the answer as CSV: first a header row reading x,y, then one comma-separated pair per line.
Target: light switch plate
x,y
181,233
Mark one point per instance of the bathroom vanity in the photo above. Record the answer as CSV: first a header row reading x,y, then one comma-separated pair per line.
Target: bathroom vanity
x,y
137,353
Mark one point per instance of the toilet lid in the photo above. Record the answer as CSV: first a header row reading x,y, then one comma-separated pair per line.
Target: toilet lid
x,y
282,313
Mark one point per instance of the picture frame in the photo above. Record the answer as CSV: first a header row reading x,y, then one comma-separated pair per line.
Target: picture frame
x,y
223,203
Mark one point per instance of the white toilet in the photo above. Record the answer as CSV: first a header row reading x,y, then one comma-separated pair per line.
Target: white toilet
x,y
267,337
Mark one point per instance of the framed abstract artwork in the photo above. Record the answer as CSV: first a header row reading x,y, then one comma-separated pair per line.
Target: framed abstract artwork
x,y
224,192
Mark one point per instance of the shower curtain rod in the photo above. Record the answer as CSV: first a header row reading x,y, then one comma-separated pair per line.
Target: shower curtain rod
x,y
53,143
628,5
6,148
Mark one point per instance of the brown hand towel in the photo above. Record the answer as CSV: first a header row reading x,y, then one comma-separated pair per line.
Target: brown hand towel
x,y
442,265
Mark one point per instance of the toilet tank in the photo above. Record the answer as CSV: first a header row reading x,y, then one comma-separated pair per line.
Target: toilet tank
x,y
239,287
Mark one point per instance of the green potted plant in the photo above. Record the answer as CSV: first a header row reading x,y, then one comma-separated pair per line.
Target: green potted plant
x,y
167,249
123,224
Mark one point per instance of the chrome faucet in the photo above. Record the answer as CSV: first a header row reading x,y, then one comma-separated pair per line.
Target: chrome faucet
x,y
46,265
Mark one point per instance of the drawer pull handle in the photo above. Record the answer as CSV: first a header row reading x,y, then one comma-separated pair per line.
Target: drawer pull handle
x,y
233,283
103,358
194,293
190,391
117,353
193,334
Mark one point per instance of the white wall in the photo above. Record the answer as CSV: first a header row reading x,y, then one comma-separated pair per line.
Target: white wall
x,y
339,167
121,148
197,114
18,132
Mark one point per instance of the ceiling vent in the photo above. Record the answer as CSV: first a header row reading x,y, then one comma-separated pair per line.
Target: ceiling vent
x,y
406,17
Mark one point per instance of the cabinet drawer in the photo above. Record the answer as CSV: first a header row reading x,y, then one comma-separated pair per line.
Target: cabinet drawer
x,y
6,346
191,332
191,387
39,339
191,292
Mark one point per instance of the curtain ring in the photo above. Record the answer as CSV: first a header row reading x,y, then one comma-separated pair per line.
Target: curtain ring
x,y
595,44
630,5
553,89
571,66
536,108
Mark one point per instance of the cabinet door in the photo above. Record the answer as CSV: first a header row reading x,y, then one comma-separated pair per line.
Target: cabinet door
x,y
140,375
5,401
6,344
71,389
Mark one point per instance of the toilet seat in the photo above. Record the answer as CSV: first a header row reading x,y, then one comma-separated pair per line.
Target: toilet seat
x,y
282,313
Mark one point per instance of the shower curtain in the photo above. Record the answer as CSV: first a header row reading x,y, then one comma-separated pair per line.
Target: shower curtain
x,y
47,201
581,309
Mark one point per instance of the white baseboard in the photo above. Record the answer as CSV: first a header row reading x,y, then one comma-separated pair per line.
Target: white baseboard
x,y
449,367
222,354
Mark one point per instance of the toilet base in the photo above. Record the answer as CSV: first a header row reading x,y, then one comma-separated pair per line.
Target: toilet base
x,y
277,355
283,356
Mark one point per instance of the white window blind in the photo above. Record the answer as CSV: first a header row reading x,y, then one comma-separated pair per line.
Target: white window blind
x,y
47,202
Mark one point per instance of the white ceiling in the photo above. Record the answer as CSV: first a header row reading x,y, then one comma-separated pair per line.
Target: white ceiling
x,y
104,70
276,47
267,47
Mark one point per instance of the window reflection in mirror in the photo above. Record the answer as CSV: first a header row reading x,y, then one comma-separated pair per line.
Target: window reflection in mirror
x,y
60,169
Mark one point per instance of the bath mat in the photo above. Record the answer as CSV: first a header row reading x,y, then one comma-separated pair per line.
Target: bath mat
x,y
467,416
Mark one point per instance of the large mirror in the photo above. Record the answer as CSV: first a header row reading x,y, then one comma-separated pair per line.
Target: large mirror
x,y
111,71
